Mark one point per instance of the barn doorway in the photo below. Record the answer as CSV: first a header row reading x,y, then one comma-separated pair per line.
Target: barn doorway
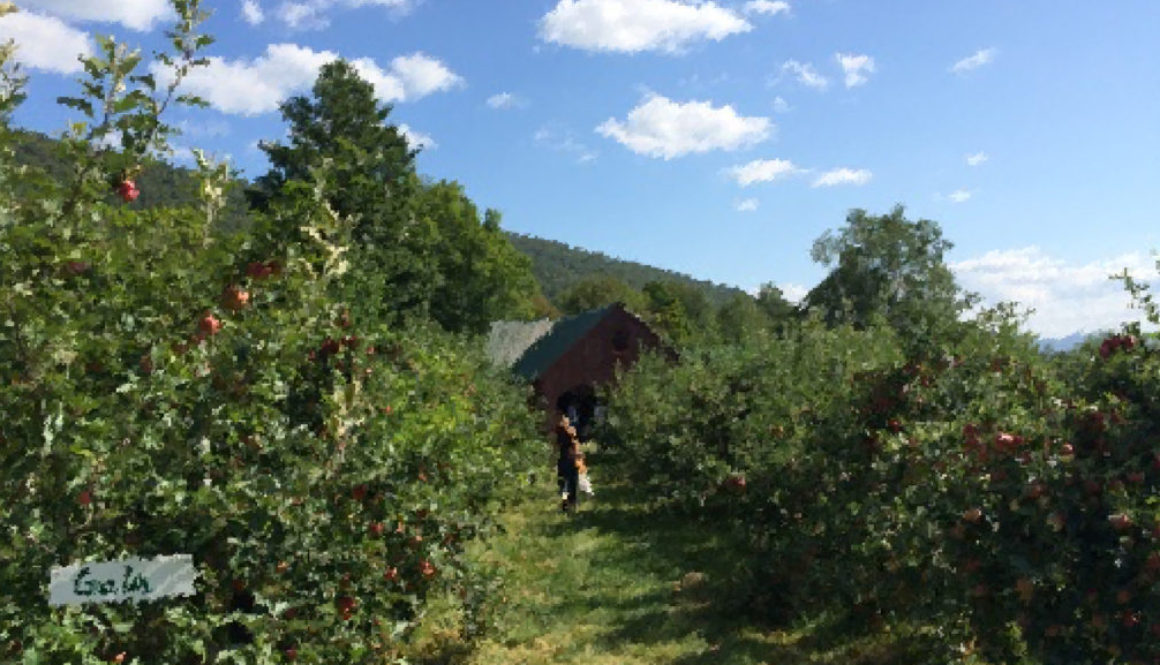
x,y
580,405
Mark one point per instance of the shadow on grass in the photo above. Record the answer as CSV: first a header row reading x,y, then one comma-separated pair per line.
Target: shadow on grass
x,y
709,597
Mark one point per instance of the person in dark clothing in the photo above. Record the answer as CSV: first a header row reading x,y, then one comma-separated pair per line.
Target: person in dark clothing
x,y
567,473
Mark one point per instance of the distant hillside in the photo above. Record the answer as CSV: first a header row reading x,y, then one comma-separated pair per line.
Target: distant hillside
x,y
1063,344
160,183
555,265
558,266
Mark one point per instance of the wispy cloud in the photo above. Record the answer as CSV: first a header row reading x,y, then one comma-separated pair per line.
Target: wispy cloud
x,y
762,170
977,158
780,105
746,205
856,67
843,176
505,100
960,196
417,140
314,14
565,142
767,7
632,26
805,74
252,12
660,127
980,58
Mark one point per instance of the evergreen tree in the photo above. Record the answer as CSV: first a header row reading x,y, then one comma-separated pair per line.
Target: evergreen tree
x,y
370,177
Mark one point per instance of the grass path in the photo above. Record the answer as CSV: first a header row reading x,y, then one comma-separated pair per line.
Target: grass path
x,y
618,584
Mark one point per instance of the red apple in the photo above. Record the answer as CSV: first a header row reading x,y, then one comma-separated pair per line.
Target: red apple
x,y
377,528
235,299
291,653
391,574
972,515
77,267
119,658
736,483
1153,562
427,569
85,498
282,567
128,191
258,270
209,324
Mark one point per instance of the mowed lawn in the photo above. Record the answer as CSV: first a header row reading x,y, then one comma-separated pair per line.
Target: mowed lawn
x,y
620,584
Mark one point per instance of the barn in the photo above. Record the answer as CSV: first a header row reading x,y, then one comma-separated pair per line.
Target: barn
x,y
567,360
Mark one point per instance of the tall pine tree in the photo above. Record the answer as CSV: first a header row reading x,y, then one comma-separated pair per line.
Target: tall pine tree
x,y
370,177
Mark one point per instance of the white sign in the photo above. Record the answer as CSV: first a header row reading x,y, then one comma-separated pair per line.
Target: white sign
x,y
122,580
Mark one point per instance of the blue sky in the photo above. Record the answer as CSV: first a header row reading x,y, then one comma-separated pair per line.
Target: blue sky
x,y
721,138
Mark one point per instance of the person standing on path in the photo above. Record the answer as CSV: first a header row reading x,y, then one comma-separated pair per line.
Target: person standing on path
x,y
567,473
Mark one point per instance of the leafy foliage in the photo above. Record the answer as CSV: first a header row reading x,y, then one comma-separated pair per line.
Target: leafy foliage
x,y
889,265
1008,498
165,393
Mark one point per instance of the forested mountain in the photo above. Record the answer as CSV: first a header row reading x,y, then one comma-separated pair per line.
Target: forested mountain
x,y
160,183
556,265
559,266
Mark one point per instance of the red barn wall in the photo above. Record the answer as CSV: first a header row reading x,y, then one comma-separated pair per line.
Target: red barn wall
x,y
592,361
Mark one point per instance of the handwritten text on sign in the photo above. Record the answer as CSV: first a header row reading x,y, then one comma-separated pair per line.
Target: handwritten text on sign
x,y
122,580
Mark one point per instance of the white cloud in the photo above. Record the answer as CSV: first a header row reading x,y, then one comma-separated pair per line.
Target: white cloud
x,y
133,14
1067,297
793,292
977,158
252,12
960,196
45,43
252,87
856,67
505,100
762,170
806,74
207,128
312,14
631,26
780,105
660,127
980,58
767,7
420,74
566,143
747,205
417,140
843,176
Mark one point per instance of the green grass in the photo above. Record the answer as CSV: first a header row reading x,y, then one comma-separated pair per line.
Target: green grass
x,y
621,584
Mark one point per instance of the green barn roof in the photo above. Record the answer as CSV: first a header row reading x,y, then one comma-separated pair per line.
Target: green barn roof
x,y
563,336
